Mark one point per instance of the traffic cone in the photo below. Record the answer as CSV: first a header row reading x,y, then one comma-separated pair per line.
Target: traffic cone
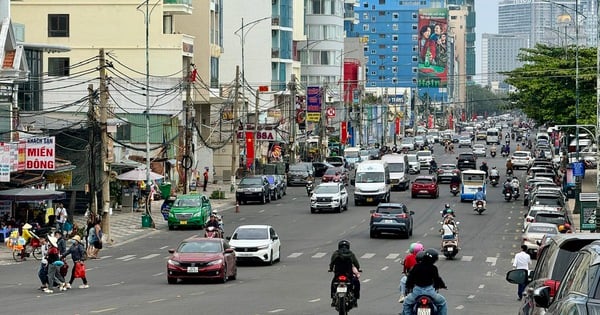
x,y
237,207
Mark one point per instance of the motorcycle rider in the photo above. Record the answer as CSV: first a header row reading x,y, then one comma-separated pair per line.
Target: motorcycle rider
x,y
447,211
342,261
493,149
507,186
509,166
219,219
455,181
409,262
213,222
494,173
479,196
484,168
424,279
449,231
515,184
432,165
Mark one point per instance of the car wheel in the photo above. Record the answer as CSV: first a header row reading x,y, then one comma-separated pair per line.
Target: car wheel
x,y
339,209
224,278
172,280
356,202
234,275
346,206
278,254
312,210
270,258
171,228
372,234
264,199
413,196
410,233
244,202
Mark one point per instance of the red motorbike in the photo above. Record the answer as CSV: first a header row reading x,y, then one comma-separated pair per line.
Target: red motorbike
x,y
212,232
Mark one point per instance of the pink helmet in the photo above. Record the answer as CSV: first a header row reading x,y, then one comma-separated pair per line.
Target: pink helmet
x,y
415,248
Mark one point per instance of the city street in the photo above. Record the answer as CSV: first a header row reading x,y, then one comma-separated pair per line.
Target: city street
x,y
131,279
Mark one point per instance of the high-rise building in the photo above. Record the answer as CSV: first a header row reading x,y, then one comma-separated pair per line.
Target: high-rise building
x,y
469,22
499,54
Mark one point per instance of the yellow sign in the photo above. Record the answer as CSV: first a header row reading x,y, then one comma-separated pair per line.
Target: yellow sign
x,y
60,178
313,117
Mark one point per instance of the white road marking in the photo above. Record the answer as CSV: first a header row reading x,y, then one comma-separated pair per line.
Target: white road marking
x,y
314,300
279,310
392,256
385,268
509,217
367,256
491,260
319,255
163,247
158,274
157,300
470,297
104,257
103,310
466,258
366,280
149,256
488,274
294,255
113,284
126,257
425,235
198,293
261,211
242,219
460,307
481,286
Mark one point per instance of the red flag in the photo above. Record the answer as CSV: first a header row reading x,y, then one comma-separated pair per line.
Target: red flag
x,y
430,122
450,121
249,149
193,75
343,132
397,126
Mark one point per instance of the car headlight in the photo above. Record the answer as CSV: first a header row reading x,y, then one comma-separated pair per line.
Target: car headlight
x,y
256,189
313,198
336,199
356,189
239,190
382,189
173,262
197,214
215,262
263,247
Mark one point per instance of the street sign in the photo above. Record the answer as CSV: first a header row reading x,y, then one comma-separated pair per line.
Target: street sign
x,y
578,169
330,112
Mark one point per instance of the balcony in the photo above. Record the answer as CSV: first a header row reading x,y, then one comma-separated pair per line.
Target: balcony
x,y
177,7
274,53
275,21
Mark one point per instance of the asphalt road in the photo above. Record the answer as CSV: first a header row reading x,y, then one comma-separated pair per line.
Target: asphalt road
x,y
130,279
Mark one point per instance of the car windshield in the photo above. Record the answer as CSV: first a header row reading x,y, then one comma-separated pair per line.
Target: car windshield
x,y
369,177
351,154
326,189
447,167
251,234
520,154
423,153
251,181
396,167
465,138
550,201
550,218
390,210
187,203
407,140
542,229
199,247
334,160
423,181
297,168
331,171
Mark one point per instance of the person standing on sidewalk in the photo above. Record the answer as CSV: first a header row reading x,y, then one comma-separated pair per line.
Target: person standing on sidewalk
x,y
205,178
61,216
76,251
97,239
522,261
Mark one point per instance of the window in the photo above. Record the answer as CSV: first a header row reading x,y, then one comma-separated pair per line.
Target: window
x,y
381,35
415,38
58,25
366,49
395,15
394,80
381,1
381,13
365,16
373,73
415,70
58,67
415,48
394,27
395,38
373,62
394,69
373,51
381,57
365,27
381,67
576,279
394,58
415,27
373,30
415,16
124,132
414,58
394,48
381,46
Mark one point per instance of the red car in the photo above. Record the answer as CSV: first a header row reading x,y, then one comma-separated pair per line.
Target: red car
x,y
202,258
425,185
335,174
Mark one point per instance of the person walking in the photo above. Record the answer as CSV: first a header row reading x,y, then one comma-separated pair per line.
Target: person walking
x,y
96,239
76,251
205,178
522,261
54,264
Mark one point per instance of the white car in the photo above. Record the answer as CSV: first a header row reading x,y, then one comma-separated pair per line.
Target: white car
x,y
329,196
414,167
256,243
521,159
479,149
464,141
408,143
424,158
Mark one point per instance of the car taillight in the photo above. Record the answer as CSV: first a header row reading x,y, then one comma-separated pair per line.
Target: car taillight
x,y
553,285
376,215
524,239
342,278
402,216
529,219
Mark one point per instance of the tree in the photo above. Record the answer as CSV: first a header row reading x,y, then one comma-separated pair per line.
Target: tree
x,y
545,84
482,101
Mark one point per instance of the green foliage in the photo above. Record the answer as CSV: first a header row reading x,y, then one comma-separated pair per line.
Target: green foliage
x,y
482,100
217,194
546,84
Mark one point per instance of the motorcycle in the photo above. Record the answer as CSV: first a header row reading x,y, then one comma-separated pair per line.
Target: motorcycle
x,y
515,193
212,232
424,306
504,154
450,248
433,169
508,194
494,180
309,188
509,172
454,189
343,299
479,206
493,153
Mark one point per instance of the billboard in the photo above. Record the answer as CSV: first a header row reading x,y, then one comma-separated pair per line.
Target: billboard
x,y
433,50
313,103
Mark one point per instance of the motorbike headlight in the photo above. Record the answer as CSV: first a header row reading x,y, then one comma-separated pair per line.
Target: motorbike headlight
x,y
215,262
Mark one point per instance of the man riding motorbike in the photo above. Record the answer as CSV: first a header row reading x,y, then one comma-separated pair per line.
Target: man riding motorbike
x,y
494,174
509,167
493,150
484,168
432,166
479,197
449,231
447,211
424,279
515,184
342,261
214,223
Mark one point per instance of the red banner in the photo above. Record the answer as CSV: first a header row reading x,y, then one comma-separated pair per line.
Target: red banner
x,y
450,121
397,126
249,149
463,117
343,132
430,122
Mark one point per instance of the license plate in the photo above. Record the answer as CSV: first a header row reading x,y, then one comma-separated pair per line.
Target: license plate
x,y
388,221
192,269
423,311
424,191
342,289
450,249
248,193
369,199
243,254
183,222
466,162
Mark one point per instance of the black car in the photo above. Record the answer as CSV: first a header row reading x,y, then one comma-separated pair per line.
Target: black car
x,y
554,258
391,218
466,160
321,167
300,174
253,188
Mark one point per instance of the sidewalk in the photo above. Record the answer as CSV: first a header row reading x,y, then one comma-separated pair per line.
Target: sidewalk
x,y
587,186
126,226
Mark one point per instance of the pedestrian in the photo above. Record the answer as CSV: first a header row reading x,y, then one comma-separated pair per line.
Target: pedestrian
x,y
205,178
60,241
91,238
77,253
54,265
43,271
61,216
522,261
97,239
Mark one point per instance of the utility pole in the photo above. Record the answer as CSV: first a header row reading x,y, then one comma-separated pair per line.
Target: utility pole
x,y
360,118
322,124
292,120
234,143
92,119
104,174
256,122
188,129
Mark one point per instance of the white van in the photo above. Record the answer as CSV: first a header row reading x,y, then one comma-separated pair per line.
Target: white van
x,y
398,170
492,135
372,182
414,167
352,155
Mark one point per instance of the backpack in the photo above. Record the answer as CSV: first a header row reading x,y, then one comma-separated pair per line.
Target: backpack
x,y
82,252
343,263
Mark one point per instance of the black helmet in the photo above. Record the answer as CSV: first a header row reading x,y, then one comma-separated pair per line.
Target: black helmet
x,y
431,256
344,244
421,256
447,206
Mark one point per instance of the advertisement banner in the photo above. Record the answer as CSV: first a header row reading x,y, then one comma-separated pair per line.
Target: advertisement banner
x,y
313,104
249,149
433,50
21,155
397,126
343,132
40,153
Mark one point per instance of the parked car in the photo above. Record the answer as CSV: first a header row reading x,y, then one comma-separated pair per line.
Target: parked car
x,y
190,210
554,217
425,185
329,196
553,199
299,174
253,188
391,218
256,243
321,167
533,233
530,215
446,172
202,258
554,257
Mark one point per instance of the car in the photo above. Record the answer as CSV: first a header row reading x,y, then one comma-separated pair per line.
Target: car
x,y
425,185
546,191
534,186
419,141
554,217
464,141
335,174
532,171
530,215
337,161
424,157
479,149
321,167
466,160
521,159
202,258
446,172
414,167
256,243
407,143
481,135
554,257
299,174
254,188
391,218
533,234
553,199
374,154
578,292
329,196
189,210
274,187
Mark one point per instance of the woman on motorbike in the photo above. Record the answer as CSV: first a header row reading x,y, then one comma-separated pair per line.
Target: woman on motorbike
x,y
424,279
409,262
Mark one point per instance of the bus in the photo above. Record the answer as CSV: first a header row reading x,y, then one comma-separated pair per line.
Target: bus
x,y
492,135
471,181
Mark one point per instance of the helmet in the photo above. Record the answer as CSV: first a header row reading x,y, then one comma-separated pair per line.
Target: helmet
x,y
344,244
493,167
447,206
562,229
449,211
416,248
431,256
421,256
484,163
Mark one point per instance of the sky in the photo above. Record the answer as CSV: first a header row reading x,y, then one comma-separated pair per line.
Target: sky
x,y
486,12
